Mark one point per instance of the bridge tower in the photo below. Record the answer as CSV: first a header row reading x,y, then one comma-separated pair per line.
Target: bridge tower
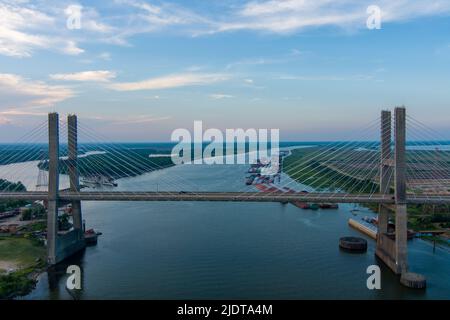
x,y
393,252
62,244
72,136
53,187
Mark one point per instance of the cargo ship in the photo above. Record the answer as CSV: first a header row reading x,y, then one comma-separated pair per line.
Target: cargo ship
x,y
329,206
99,180
372,222
91,237
306,206
301,205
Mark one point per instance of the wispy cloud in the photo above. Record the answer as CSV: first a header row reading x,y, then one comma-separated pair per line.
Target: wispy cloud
x,y
135,119
293,15
14,40
140,119
72,48
22,112
143,17
26,26
357,77
28,93
220,96
9,116
253,62
170,81
105,56
96,76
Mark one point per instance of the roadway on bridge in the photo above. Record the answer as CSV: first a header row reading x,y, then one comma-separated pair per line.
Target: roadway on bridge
x,y
228,196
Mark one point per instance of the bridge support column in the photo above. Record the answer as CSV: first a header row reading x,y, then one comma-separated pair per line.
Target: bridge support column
x,y
72,135
53,188
393,252
386,169
401,215
385,249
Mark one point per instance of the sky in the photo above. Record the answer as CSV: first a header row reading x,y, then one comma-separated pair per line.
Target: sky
x,y
136,70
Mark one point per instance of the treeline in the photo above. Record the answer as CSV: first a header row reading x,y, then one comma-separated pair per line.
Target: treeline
x,y
315,175
21,152
115,164
8,186
14,153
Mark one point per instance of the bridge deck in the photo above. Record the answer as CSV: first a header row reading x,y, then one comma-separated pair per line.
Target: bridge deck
x,y
227,196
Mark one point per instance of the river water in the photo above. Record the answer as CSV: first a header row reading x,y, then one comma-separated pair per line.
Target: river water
x,y
201,250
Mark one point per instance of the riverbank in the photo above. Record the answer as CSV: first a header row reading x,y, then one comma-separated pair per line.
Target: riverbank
x,y
22,259
302,166
305,167
116,164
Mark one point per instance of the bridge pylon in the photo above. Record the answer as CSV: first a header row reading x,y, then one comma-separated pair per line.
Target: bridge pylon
x,y
393,252
72,136
53,187
62,244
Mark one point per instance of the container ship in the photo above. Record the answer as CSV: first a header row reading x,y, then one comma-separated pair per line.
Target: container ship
x,y
99,181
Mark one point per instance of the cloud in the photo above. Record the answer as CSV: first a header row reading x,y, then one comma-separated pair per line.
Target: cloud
x,y
20,92
4,120
164,15
71,48
253,62
357,77
27,26
97,76
15,16
90,21
140,119
135,119
22,112
105,56
295,52
5,116
140,17
294,15
14,41
219,96
170,81
18,44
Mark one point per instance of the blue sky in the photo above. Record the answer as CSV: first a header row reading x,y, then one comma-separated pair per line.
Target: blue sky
x,y
136,70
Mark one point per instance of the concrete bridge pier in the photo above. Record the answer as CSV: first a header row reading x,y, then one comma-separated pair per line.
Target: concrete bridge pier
x,y
72,135
393,252
61,245
385,170
385,249
401,213
53,187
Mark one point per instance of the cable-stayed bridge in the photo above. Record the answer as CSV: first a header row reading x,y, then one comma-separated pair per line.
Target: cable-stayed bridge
x,y
389,173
